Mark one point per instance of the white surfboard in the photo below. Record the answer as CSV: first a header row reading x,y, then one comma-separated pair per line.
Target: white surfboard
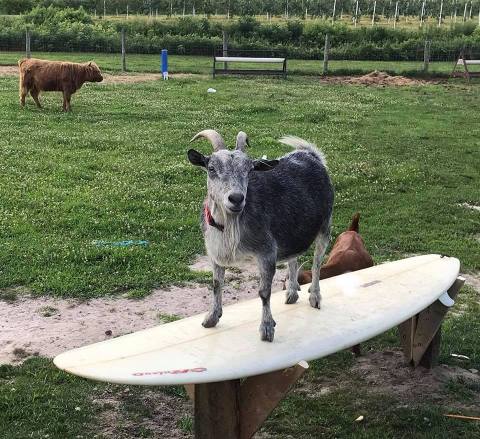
x,y
355,307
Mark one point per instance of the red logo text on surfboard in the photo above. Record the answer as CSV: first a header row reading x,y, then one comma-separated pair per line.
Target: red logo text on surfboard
x,y
171,372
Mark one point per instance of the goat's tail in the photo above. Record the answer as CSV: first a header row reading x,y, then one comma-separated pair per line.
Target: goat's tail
x,y
354,224
299,144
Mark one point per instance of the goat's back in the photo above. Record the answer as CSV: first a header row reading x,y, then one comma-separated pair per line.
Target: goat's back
x,y
294,201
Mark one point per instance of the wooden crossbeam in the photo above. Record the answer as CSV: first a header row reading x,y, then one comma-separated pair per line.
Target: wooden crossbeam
x,y
420,335
237,409
260,394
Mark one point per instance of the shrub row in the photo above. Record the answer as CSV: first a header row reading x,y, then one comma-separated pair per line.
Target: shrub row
x,y
73,29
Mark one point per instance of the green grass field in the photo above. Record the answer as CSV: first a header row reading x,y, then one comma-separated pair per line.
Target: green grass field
x,y
116,169
203,64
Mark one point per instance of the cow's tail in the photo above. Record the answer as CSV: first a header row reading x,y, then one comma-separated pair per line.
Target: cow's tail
x,y
354,224
24,77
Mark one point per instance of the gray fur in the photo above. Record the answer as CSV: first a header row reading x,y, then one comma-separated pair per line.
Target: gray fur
x,y
270,209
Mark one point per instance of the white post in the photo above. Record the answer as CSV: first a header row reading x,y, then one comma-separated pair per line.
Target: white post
x,y
395,16
356,13
465,13
440,16
470,15
479,15
127,12
373,15
104,9
455,14
422,13
334,10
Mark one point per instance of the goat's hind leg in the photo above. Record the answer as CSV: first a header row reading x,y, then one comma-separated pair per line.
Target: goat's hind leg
x,y
214,315
267,271
293,286
321,244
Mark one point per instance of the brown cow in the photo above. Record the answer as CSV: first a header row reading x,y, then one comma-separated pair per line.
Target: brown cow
x,y
37,75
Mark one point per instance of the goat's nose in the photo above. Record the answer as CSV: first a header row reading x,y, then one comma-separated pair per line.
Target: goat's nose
x,y
236,198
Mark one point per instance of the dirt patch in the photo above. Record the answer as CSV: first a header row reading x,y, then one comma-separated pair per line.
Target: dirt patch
x,y
116,79
8,70
473,279
386,373
126,413
376,78
48,326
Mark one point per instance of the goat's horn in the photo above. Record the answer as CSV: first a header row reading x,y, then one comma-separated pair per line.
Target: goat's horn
x,y
242,141
215,139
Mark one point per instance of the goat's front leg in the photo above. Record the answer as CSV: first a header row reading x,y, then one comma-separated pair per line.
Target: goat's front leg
x,y
293,286
267,271
214,315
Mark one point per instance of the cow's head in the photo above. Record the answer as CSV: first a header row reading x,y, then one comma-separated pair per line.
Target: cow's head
x,y
93,72
228,171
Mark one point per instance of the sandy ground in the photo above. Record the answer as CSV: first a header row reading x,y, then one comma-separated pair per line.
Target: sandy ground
x,y
48,326
374,78
115,79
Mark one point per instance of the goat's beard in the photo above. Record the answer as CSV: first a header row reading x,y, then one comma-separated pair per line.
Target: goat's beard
x,y
229,239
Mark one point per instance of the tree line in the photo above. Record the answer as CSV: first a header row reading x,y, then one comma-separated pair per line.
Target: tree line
x,y
457,10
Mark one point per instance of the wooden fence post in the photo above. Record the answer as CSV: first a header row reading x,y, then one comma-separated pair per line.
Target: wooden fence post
x,y
325,55
124,61
426,55
225,47
28,52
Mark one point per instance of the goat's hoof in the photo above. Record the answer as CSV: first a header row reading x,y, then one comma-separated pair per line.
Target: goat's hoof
x,y
211,320
315,300
292,298
267,331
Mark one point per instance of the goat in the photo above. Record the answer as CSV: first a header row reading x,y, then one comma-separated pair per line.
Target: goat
x,y
272,210
348,254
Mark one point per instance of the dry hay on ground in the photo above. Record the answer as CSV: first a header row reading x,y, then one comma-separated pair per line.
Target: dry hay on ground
x,y
376,78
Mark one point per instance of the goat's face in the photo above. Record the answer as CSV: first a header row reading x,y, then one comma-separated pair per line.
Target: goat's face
x,y
228,173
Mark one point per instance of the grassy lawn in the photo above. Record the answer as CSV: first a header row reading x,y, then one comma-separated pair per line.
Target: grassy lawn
x,y
115,169
203,64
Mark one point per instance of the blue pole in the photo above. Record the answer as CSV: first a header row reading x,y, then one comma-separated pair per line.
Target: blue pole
x,y
164,57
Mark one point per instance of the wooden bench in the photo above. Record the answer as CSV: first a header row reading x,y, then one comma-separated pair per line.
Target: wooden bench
x,y
247,59
462,61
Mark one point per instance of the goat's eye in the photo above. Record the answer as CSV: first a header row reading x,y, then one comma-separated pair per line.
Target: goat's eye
x,y
211,169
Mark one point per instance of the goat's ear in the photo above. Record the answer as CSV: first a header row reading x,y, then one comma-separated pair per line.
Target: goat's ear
x,y
264,165
197,158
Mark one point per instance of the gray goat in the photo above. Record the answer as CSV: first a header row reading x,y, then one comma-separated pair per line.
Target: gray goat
x,y
269,209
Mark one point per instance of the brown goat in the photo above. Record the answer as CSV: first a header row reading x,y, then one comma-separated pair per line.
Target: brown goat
x,y
37,75
348,254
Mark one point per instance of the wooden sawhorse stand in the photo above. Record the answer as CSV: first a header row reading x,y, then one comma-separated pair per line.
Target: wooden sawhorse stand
x,y
421,335
236,409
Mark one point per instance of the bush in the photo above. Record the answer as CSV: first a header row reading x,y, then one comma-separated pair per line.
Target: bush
x,y
58,29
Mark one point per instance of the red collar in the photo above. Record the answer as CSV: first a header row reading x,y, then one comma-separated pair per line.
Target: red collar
x,y
209,218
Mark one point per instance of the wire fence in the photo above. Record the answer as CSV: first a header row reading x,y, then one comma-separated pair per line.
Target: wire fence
x,y
421,57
